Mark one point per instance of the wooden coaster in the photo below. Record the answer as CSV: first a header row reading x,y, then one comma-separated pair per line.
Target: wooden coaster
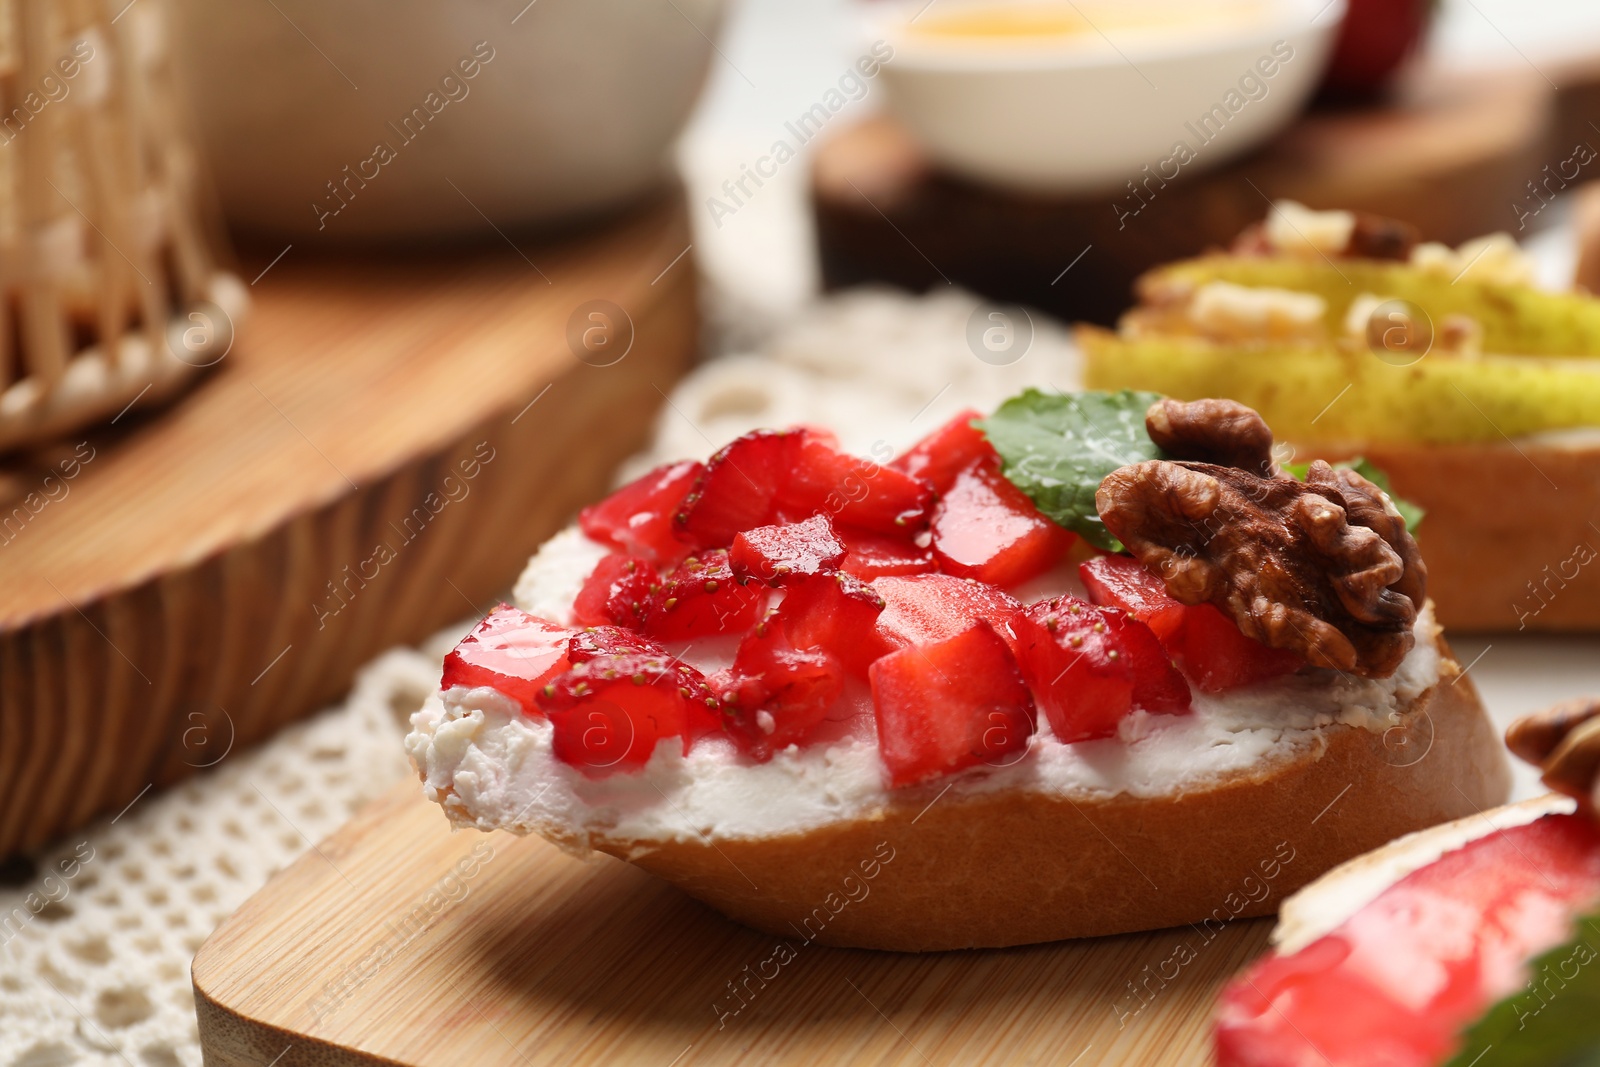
x,y
1453,157
398,942
388,441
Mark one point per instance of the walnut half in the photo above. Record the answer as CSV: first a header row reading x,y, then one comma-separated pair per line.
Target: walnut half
x,y
1323,567
1563,741
1224,432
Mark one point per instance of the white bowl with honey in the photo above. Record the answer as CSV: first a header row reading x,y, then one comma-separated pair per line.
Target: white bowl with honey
x,y
1080,96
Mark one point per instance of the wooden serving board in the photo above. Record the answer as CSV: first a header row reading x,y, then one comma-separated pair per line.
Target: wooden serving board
x,y
396,941
1451,155
375,457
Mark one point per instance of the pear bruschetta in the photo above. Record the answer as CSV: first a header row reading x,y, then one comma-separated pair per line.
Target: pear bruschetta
x,y
1476,391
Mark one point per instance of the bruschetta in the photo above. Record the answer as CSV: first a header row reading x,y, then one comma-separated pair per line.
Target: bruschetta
x,y
1061,671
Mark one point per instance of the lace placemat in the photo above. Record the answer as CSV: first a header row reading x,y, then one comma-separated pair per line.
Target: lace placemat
x,y
97,933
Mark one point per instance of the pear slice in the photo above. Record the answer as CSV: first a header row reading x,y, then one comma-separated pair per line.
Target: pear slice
x,y
1517,320
1340,392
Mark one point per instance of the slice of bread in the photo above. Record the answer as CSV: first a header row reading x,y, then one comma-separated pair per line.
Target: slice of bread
x,y
987,858
1015,867
1512,535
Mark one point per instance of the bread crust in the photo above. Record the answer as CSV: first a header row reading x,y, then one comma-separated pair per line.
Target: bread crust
x,y
1506,532
1010,868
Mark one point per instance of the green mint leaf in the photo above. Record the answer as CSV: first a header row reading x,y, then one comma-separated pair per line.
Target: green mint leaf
x,y
1058,446
1554,1021
1411,513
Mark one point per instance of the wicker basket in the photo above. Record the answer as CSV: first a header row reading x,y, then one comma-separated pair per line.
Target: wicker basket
x,y
111,293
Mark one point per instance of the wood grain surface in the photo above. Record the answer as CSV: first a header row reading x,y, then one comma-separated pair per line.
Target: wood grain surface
x,y
397,941
1452,155
389,439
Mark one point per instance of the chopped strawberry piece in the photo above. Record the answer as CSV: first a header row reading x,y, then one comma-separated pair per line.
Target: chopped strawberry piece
x,y
1399,981
836,613
1125,583
1090,666
923,608
939,457
510,651
818,433
638,517
738,488
615,592
854,490
777,553
986,528
951,704
775,695
1207,646
1216,657
765,476
611,710
701,597
592,641
871,555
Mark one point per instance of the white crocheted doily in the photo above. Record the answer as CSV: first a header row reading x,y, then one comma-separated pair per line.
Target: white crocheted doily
x,y
97,933
94,967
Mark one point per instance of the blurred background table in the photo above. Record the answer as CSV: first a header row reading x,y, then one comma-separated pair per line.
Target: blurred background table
x,y
390,439
762,264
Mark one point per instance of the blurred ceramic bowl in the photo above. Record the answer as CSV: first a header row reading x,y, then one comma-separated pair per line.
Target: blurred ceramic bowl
x,y
370,119
1052,97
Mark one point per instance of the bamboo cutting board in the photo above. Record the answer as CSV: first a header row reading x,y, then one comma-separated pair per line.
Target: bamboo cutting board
x,y
397,941
389,438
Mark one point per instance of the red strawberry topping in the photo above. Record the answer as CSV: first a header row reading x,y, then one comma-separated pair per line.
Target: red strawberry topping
x,y
765,476
871,555
775,695
1397,982
1090,666
855,491
1213,654
592,641
924,608
610,710
949,705
986,528
1206,645
700,597
615,592
892,575
776,554
637,518
942,455
738,489
511,651
1125,583
836,613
